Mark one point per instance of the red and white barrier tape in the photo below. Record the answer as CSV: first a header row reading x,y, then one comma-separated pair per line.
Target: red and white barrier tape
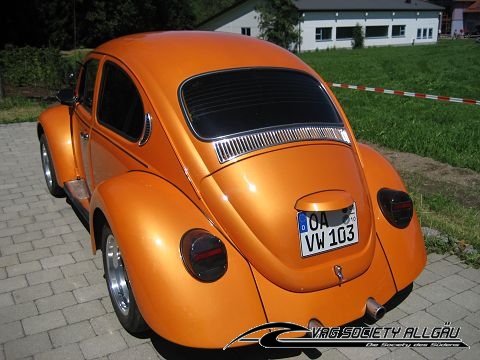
x,y
405,93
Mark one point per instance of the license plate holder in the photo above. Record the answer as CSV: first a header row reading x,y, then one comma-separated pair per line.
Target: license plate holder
x,y
323,231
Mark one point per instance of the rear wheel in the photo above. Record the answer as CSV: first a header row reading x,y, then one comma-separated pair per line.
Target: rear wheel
x,y
48,169
118,285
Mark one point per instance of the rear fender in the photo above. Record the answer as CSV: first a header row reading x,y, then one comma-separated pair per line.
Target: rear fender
x,y
55,124
404,248
148,217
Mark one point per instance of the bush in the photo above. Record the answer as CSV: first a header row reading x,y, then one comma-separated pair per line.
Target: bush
x,y
358,37
35,67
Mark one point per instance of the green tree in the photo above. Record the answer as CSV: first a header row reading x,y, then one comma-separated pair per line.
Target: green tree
x,y
279,22
88,23
358,37
204,9
20,24
102,20
177,15
57,23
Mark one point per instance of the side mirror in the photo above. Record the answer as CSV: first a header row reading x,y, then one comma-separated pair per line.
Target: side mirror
x,y
67,97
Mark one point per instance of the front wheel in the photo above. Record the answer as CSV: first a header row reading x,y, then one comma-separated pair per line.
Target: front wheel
x,y
48,170
118,285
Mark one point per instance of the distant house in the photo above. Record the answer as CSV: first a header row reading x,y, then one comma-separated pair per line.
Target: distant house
x,y
461,17
330,23
466,17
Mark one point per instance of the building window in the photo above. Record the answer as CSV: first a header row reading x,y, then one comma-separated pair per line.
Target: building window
x,y
376,31
398,31
246,31
345,32
322,34
425,33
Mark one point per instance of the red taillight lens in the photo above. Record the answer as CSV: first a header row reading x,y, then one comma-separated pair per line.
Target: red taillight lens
x,y
396,206
204,255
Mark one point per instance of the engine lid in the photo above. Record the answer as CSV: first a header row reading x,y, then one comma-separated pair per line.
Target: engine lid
x,y
300,215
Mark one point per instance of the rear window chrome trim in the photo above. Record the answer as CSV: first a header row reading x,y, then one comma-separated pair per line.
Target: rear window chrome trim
x,y
231,148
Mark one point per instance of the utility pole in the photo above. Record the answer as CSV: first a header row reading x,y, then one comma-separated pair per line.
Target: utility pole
x,y
2,93
74,27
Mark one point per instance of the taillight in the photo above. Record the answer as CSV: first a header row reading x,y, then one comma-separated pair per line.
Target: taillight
x,y
396,206
204,255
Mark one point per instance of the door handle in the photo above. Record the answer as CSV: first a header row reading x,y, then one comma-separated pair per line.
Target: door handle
x,y
84,135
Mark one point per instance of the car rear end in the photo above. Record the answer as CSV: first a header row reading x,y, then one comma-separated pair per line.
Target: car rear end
x,y
289,191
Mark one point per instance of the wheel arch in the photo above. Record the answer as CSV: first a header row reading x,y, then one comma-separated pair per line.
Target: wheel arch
x,y
148,220
54,123
98,220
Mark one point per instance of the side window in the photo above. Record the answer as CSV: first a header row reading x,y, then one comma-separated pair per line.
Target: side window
x,y
120,106
87,84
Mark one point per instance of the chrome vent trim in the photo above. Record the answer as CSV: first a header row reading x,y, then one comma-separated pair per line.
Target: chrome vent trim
x,y
147,130
228,149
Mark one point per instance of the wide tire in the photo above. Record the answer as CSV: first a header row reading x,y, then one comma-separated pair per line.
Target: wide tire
x,y
119,289
48,170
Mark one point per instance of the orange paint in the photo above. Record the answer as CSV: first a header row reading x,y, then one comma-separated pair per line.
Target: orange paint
x,y
152,193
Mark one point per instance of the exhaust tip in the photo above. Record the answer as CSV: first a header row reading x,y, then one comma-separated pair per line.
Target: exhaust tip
x,y
313,323
374,309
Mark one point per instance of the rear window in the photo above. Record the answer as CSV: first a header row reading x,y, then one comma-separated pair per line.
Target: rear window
x,y
247,100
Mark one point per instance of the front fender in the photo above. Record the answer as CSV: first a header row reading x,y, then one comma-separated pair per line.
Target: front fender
x,y
54,122
404,248
148,217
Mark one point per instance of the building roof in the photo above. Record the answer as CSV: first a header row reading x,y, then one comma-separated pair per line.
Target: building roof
x,y
325,5
348,5
474,8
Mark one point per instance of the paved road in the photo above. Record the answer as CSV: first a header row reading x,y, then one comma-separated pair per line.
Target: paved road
x,y
54,302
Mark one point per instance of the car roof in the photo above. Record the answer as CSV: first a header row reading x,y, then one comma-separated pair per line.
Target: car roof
x,y
177,55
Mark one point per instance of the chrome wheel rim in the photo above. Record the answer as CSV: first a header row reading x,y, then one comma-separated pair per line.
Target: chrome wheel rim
x,y
47,168
116,276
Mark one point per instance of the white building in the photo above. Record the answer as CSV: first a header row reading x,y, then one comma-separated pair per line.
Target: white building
x,y
329,23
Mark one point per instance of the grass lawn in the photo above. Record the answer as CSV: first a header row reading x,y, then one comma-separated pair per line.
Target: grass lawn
x,y
445,131
20,109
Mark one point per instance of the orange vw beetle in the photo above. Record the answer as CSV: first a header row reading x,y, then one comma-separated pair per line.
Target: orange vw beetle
x,y
224,186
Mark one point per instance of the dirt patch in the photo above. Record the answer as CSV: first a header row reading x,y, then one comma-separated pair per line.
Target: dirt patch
x,y
430,177
436,177
30,92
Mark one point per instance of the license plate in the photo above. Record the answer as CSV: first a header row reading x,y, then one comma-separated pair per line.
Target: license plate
x,y
322,231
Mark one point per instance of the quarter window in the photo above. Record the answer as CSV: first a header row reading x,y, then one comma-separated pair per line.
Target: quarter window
x,y
87,84
120,106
